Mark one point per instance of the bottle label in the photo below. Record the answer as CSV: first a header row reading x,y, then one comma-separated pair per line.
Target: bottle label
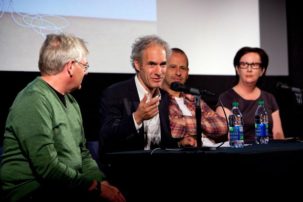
x,y
261,129
232,134
239,132
236,135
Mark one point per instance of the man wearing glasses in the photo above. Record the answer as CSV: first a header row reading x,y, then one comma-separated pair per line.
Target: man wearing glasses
x,y
250,65
44,156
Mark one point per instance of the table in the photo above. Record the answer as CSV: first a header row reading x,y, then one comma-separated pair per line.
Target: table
x,y
190,174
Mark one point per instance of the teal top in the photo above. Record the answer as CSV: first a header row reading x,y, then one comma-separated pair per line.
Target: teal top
x,y
44,143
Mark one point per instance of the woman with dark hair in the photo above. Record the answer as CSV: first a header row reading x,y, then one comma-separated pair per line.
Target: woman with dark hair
x,y
250,65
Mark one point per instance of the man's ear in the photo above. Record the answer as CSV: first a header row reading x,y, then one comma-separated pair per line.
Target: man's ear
x,y
137,65
187,75
69,68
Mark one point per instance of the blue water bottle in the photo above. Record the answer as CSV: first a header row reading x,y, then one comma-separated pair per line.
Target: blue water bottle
x,y
236,136
261,124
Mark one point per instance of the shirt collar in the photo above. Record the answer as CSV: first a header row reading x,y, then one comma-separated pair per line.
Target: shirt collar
x,y
188,97
142,91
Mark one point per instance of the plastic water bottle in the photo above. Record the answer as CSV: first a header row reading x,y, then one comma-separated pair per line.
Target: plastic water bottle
x,y
261,124
236,136
232,135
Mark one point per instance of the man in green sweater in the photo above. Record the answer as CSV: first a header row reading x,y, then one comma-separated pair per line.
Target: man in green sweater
x,y
44,153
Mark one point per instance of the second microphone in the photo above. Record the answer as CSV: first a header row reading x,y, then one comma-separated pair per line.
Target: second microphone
x,y
176,86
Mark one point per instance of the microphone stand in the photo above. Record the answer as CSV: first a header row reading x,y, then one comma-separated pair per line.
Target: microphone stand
x,y
198,120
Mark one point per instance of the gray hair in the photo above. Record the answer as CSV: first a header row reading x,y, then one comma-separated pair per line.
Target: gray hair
x,y
143,43
57,50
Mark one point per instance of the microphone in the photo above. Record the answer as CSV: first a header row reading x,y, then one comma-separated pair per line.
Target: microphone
x,y
176,86
284,86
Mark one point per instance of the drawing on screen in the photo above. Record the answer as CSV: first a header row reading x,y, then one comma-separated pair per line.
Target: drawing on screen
x,y
39,23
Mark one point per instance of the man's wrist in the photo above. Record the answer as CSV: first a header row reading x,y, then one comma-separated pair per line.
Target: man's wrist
x,y
137,125
95,187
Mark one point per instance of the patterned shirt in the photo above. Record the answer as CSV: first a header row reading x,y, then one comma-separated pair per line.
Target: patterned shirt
x,y
213,125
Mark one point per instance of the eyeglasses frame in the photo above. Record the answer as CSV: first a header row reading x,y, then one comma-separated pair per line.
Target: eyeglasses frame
x,y
84,66
253,65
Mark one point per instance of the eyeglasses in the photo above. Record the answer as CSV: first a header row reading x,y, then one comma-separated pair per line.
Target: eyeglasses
x,y
85,66
254,65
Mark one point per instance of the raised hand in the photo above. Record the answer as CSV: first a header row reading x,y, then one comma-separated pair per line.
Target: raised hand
x,y
148,108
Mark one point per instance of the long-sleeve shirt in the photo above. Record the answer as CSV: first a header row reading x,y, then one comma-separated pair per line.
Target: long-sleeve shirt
x,y
182,124
44,144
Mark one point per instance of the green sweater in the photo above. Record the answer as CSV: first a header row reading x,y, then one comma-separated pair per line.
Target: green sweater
x,y
44,144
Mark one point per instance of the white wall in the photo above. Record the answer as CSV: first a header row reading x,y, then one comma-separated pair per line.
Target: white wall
x,y
210,31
